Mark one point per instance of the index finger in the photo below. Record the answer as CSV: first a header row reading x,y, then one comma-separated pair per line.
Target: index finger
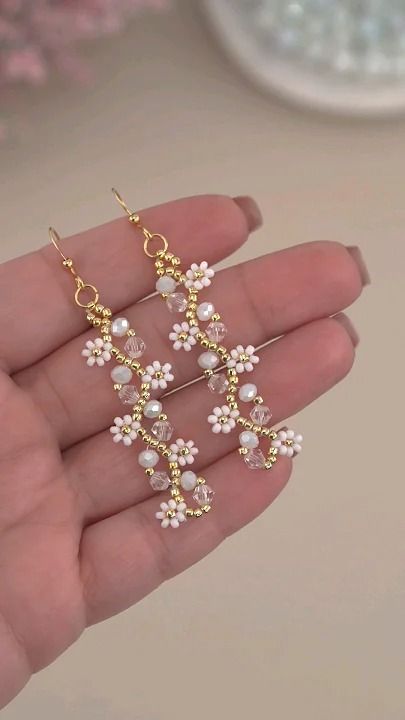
x,y
36,297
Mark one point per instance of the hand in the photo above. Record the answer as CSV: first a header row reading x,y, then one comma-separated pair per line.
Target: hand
x,y
78,537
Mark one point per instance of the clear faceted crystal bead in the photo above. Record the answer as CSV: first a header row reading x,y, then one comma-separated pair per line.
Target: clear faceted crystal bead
x,y
203,495
128,395
176,302
135,347
260,414
216,331
255,459
162,429
159,481
218,383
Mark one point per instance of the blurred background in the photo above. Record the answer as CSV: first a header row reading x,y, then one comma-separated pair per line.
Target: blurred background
x,y
302,613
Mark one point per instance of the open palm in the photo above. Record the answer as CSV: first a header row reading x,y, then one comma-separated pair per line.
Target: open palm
x,y
78,538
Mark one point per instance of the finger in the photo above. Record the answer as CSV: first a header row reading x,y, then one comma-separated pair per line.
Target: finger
x,y
36,296
125,557
306,282
107,478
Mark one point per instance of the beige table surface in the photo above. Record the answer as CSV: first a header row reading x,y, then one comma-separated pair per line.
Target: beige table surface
x,y
302,614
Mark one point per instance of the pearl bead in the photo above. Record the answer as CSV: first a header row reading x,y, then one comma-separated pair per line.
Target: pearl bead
x,y
152,409
120,327
248,439
208,360
148,458
121,375
166,284
247,392
205,311
188,480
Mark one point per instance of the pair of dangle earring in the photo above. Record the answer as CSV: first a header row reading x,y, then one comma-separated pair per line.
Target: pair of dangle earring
x,y
136,385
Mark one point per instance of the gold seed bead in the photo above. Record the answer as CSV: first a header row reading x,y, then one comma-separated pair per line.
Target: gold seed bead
x,y
208,373
226,357
212,346
193,297
248,424
159,263
169,256
268,465
120,357
141,431
162,416
190,315
173,465
199,336
96,322
114,351
198,513
230,398
128,362
175,491
200,481
161,446
137,409
193,323
221,349
136,417
107,312
166,453
240,421
216,317
149,472
154,443
233,405
256,428
189,512
90,317
142,402
160,272
144,386
205,342
273,435
131,333
207,508
232,372
178,276
105,329
265,432
176,261
117,387
135,365
169,271
107,338
180,498
258,400
140,372
243,451
99,308
176,473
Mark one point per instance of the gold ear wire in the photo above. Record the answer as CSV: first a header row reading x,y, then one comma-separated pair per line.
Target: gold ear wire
x,y
68,264
148,236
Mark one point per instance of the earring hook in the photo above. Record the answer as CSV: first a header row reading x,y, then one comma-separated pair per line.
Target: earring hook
x,y
80,284
55,240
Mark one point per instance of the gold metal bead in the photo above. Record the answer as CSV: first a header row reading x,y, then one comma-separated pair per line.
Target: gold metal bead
x,y
176,473
233,405
178,275
248,424
170,271
173,465
215,317
134,219
190,315
140,372
240,420
206,508
176,261
161,446
154,443
166,453
107,312
212,346
107,338
265,432
256,428
162,416
160,272
99,308
114,352
193,322
243,451
90,317
159,263
135,365
198,512
131,333
141,432
208,373
193,296
120,358
200,336
230,398
96,322
189,512
258,400
205,342
149,472
169,256
200,481
128,362
232,372
192,306
137,409
117,387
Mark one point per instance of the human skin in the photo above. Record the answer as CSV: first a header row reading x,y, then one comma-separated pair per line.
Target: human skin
x,y
78,538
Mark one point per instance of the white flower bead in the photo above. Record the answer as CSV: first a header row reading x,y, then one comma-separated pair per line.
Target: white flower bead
x,y
288,443
172,514
183,336
183,452
97,352
125,430
243,358
199,276
223,419
158,375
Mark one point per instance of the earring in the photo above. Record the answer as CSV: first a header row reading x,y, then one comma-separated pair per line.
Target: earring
x,y
142,407
223,368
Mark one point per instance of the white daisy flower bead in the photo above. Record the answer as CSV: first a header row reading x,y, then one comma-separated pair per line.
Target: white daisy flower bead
x,y
223,419
183,336
125,430
288,443
199,276
172,514
158,375
97,352
243,358
183,452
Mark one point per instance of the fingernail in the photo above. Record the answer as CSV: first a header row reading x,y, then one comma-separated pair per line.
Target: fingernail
x,y
358,258
250,210
344,320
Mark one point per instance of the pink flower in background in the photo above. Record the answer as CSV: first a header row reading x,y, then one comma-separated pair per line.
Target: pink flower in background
x,y
38,36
